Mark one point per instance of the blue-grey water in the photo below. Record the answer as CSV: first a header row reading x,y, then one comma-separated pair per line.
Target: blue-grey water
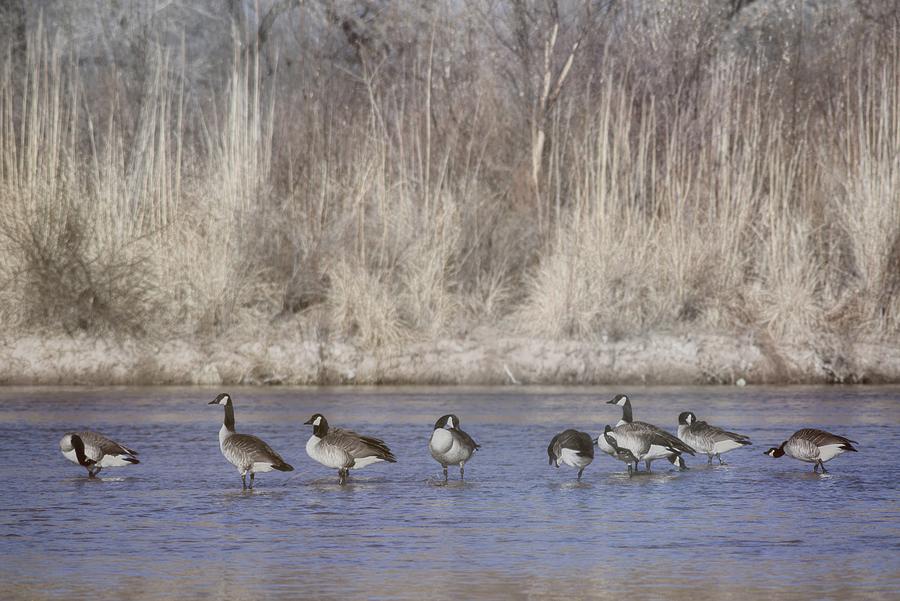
x,y
179,526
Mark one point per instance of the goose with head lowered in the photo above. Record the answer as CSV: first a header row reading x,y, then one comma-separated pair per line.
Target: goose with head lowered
x,y
813,446
662,444
344,450
249,454
708,439
449,445
609,446
93,451
572,448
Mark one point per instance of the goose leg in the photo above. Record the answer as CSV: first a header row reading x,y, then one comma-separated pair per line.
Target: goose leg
x,y
446,476
709,459
824,471
630,471
252,475
816,467
721,461
647,465
90,473
462,470
579,474
342,476
244,481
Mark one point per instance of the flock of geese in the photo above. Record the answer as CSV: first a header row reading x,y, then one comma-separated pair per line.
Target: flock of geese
x,y
631,442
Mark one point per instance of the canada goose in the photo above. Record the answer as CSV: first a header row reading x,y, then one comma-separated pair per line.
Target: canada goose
x,y
344,449
609,446
451,446
573,448
94,451
813,446
247,453
673,447
708,439
644,444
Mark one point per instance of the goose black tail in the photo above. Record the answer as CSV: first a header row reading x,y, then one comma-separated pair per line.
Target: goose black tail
x,y
130,459
283,467
848,447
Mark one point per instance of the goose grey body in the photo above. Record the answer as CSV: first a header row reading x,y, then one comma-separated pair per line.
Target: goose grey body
x,y
94,451
708,439
572,448
451,446
249,454
344,450
646,441
813,446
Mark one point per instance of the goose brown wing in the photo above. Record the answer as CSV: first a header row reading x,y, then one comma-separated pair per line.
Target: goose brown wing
x,y
466,439
715,434
359,446
664,438
106,445
821,438
252,450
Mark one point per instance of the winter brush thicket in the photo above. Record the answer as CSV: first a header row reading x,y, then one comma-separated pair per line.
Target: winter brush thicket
x,y
393,174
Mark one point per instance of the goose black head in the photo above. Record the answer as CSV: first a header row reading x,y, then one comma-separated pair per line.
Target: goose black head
x,y
319,424
620,399
78,445
775,451
222,399
448,421
686,418
610,437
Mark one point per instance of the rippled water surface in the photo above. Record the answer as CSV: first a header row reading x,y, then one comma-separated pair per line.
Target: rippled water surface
x,y
178,525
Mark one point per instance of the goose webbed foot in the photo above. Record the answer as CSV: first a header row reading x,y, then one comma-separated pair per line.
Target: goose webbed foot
x,y
721,461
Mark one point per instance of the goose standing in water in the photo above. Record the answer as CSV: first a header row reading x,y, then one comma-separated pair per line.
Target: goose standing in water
x,y
94,451
813,446
247,453
451,446
642,444
708,439
663,445
572,448
609,446
343,449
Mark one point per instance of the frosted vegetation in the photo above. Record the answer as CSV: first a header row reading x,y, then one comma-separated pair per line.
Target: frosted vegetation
x,y
387,172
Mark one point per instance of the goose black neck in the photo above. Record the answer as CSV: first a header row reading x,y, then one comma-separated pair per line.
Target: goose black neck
x,y
229,417
78,445
321,429
626,412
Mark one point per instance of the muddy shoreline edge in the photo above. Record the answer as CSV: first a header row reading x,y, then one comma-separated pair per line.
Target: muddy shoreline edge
x,y
273,360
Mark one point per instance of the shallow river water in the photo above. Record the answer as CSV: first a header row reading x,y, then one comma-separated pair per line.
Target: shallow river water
x,y
179,526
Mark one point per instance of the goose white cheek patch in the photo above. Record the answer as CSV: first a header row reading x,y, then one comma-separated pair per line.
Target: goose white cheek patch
x,y
318,421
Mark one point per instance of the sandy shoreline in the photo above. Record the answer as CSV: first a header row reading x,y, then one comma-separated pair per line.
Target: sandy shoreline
x,y
273,360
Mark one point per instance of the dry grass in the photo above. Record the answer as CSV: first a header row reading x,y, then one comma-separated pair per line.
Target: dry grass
x,y
389,206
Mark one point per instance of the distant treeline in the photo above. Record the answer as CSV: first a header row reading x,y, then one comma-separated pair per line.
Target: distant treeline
x,y
386,171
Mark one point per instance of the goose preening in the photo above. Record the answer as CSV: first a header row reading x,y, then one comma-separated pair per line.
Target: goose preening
x,y
708,439
646,441
344,450
609,446
572,448
813,446
94,451
247,453
451,446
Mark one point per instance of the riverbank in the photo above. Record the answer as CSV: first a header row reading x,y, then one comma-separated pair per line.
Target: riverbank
x,y
485,359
